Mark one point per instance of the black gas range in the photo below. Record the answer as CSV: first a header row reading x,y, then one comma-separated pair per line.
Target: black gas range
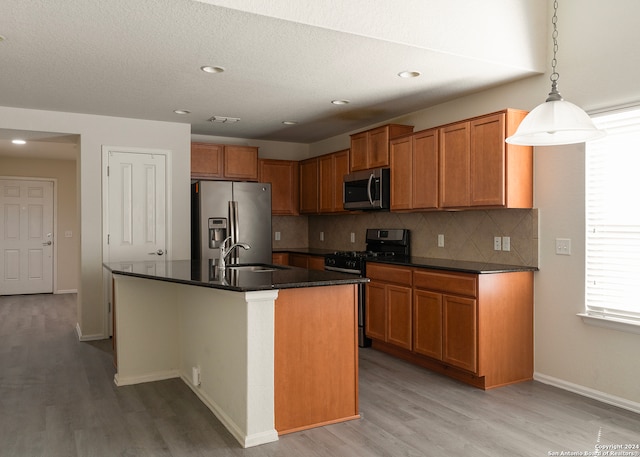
x,y
381,243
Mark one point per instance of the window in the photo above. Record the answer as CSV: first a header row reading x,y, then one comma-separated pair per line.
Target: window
x,y
613,220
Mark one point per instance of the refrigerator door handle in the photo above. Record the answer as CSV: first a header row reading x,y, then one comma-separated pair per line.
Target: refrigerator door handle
x,y
235,227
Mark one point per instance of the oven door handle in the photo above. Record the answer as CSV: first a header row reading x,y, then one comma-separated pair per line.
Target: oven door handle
x,y
342,270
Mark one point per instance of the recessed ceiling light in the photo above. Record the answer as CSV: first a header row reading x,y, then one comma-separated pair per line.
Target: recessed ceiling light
x,y
409,74
18,141
211,69
182,111
340,102
289,122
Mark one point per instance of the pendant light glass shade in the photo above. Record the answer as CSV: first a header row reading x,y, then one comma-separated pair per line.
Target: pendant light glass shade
x,y
555,122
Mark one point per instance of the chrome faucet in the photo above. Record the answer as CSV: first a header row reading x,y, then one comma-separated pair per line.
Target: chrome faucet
x,y
225,251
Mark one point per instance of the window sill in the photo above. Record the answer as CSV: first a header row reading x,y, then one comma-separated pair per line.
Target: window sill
x,y
611,323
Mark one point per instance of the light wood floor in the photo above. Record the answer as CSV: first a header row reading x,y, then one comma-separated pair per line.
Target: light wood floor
x,y
57,398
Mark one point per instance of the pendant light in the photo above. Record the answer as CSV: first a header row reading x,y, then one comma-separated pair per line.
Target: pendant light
x,y
556,121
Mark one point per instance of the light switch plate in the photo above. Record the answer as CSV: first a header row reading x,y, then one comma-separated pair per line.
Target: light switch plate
x,y
441,240
277,236
506,243
497,243
353,237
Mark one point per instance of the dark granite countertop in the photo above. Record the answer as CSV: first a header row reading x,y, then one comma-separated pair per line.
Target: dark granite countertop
x,y
463,266
197,273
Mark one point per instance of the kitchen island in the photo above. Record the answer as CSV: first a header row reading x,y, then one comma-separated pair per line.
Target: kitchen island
x,y
270,350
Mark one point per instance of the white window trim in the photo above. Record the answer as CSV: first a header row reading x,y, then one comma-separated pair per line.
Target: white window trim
x,y
610,323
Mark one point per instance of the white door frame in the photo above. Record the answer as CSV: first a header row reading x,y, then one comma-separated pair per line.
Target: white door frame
x,y
106,150
54,286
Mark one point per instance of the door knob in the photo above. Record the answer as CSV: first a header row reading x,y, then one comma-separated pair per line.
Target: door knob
x,y
47,243
158,252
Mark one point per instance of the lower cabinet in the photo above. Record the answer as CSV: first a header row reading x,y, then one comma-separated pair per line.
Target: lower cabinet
x,y
388,297
311,262
477,328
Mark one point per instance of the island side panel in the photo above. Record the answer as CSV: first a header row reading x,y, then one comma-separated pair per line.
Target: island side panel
x,y
228,337
146,325
316,357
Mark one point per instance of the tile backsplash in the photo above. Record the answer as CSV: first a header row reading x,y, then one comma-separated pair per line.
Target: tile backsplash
x,y
468,235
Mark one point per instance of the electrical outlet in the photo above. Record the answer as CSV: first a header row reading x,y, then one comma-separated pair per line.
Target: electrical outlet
x,y
441,240
277,236
321,236
353,237
506,243
563,246
497,243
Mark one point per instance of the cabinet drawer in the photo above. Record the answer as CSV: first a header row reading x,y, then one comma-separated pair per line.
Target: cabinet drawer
x,y
453,283
389,274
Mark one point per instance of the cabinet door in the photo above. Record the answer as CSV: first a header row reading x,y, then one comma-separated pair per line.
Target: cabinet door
x,y
298,260
459,320
206,160
487,161
454,166
280,258
425,170
378,147
376,311
309,186
399,316
359,147
315,263
241,163
326,182
283,176
400,159
427,323
341,168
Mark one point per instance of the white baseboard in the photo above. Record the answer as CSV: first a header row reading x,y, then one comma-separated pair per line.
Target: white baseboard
x,y
588,392
95,337
159,376
66,291
244,440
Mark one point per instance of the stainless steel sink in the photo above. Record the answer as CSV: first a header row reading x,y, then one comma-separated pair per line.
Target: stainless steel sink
x,y
256,267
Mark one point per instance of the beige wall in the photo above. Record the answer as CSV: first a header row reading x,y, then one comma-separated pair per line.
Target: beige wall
x,y
599,68
95,132
67,249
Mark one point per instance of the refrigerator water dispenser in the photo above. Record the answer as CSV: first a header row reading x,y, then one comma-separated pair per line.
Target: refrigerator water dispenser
x,y
217,231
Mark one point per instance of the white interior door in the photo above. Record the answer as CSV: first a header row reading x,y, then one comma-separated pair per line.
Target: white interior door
x,y
26,236
137,206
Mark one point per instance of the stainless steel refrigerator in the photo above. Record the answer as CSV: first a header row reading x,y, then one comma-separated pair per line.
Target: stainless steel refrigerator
x,y
241,210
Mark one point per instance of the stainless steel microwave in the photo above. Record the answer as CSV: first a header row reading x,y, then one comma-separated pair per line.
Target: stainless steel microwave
x,y
366,190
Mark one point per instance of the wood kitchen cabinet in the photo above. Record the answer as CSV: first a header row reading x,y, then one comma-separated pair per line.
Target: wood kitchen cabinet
x,y
389,305
309,186
280,258
321,183
477,328
414,171
370,149
284,179
229,162
478,169
331,170
308,261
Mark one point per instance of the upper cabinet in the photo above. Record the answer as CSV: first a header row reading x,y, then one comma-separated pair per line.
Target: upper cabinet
x,y
331,171
414,171
370,149
466,164
321,183
218,161
283,176
477,167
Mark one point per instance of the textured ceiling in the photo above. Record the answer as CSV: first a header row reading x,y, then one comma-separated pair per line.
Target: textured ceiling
x,y
284,60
